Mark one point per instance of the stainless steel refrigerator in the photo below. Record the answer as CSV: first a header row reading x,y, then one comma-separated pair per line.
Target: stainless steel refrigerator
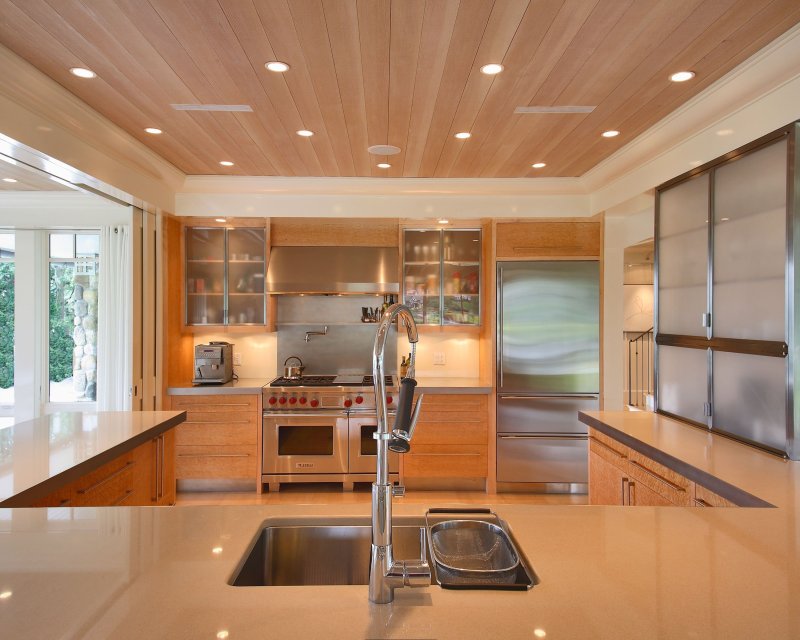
x,y
548,369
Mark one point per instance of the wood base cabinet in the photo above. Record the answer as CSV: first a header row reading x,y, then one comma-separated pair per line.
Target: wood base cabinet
x,y
619,475
144,476
220,438
451,439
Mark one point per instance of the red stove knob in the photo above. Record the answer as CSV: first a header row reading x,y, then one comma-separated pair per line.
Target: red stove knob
x,y
389,399
359,399
282,400
303,400
348,403
273,400
292,400
314,402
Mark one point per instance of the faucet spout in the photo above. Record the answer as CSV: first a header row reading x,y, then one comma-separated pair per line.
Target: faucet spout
x,y
386,574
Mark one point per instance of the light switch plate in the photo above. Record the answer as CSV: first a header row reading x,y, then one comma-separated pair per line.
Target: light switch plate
x,y
237,359
438,357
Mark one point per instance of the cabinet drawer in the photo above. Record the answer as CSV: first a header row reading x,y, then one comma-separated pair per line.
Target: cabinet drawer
x,y
110,485
469,403
609,450
450,433
234,461
446,461
706,498
664,481
216,403
232,430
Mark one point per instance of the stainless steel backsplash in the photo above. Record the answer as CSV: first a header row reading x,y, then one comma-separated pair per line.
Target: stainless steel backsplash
x,y
348,346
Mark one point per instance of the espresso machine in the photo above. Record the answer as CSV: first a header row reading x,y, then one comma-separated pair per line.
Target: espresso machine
x,y
213,363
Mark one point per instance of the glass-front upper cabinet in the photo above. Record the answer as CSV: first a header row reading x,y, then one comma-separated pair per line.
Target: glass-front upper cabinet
x,y
225,270
441,275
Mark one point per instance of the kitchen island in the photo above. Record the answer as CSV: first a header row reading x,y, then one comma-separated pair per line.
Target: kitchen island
x,y
606,572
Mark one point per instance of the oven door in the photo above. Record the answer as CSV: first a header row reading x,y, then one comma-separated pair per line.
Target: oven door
x,y
305,443
363,447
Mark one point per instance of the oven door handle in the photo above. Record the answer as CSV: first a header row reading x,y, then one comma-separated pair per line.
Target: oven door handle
x,y
311,414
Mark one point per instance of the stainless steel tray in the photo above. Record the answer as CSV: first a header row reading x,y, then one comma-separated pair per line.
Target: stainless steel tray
x,y
474,553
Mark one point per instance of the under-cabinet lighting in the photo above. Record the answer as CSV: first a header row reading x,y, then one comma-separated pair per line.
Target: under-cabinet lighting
x,y
443,221
80,72
9,180
221,219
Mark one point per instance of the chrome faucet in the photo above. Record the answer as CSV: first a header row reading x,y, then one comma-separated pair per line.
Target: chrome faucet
x,y
386,574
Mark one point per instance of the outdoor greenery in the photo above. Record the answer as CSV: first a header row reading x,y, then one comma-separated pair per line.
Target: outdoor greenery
x,y
61,320
6,325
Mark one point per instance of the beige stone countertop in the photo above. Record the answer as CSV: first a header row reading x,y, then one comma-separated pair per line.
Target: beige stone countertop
x,y
606,572
39,456
427,384
244,386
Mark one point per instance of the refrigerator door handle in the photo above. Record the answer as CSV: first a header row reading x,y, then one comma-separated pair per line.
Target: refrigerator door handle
x,y
579,396
500,326
543,436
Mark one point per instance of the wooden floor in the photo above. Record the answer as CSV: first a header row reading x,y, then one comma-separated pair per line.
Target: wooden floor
x,y
332,494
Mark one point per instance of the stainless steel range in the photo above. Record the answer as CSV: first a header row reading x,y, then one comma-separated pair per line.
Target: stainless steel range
x,y
319,429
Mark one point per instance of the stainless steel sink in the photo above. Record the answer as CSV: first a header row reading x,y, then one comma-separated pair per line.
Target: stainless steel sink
x,y
318,555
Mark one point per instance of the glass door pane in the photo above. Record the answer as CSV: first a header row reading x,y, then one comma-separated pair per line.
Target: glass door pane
x,y
246,269
7,275
461,276
683,382
421,269
205,276
750,246
683,257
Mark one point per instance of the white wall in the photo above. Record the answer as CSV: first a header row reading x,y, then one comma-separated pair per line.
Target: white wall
x,y
258,351
625,225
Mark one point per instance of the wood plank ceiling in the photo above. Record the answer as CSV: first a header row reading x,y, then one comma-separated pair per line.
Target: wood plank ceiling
x,y
400,72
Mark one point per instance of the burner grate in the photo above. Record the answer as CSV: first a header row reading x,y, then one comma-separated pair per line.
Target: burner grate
x,y
305,381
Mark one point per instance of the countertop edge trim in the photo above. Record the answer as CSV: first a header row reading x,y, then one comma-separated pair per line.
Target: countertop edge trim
x,y
739,497
54,483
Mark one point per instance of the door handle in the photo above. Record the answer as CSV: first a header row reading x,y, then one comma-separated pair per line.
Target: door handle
x,y
544,436
575,396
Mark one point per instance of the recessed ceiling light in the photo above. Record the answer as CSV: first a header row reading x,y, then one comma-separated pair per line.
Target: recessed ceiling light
x,y
305,133
154,131
443,221
682,76
610,134
221,219
463,135
9,179
226,163
491,69
216,550
724,132
539,633
82,73
538,165
5,595
222,634
383,165
277,67
724,219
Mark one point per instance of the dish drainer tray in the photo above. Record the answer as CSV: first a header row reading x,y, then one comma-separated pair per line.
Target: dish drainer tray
x,y
474,552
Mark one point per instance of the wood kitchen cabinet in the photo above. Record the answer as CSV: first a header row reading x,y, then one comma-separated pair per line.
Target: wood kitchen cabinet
x,y
220,438
225,271
442,276
143,476
549,239
450,441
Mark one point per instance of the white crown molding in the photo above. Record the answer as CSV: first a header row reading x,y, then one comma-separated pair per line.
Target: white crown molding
x,y
42,115
57,200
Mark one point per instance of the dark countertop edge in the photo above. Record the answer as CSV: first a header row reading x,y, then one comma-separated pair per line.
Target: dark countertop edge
x,y
739,497
54,483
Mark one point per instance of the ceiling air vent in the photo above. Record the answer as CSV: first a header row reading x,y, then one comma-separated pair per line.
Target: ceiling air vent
x,y
564,109
383,150
211,107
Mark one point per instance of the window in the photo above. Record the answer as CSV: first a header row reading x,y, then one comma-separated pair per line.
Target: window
x,y
6,323
72,304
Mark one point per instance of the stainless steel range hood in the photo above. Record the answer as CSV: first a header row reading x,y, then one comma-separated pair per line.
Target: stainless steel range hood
x,y
333,270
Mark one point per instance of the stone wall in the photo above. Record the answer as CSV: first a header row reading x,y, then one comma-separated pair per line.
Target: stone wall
x,y
84,335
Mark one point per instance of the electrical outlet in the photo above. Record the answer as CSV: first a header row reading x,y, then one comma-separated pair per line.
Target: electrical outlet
x,y
438,357
237,359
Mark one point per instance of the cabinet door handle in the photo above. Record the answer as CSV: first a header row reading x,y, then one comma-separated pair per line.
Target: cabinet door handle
x,y
213,455
218,421
122,498
699,502
655,476
624,492
111,476
632,493
203,407
611,449
160,467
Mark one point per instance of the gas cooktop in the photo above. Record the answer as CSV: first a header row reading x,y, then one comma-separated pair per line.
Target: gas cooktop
x,y
328,381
